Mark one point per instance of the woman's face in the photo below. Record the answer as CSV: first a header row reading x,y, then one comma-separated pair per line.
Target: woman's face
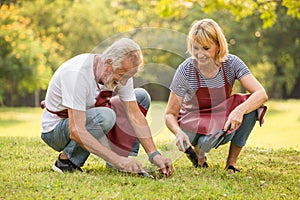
x,y
205,53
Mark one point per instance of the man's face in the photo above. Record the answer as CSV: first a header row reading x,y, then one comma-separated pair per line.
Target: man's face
x,y
120,75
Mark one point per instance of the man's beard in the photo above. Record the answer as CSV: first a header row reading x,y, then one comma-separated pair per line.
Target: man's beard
x,y
111,85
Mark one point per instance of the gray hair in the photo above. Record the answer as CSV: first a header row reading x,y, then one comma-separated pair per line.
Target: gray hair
x,y
121,49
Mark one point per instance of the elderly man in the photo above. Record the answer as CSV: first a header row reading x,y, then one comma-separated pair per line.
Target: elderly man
x,y
80,118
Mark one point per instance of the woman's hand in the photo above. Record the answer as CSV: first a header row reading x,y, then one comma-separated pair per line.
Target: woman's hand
x,y
182,140
235,118
257,98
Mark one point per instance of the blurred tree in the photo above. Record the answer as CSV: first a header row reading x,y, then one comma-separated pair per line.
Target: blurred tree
x,y
23,65
79,26
265,9
272,53
283,46
250,26
54,31
37,36
47,17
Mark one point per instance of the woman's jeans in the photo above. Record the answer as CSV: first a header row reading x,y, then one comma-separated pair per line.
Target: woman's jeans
x,y
238,137
99,121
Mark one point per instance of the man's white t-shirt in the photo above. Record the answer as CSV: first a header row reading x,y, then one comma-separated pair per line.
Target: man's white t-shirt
x,y
73,86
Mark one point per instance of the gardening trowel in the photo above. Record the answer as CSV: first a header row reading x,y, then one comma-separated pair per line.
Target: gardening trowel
x,y
214,140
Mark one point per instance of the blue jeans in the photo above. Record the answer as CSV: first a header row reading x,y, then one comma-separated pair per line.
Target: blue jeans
x,y
99,121
238,137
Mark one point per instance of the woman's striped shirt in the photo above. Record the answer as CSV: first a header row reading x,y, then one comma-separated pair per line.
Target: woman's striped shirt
x,y
185,84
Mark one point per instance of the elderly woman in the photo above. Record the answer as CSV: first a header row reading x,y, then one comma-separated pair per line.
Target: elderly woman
x,y
201,100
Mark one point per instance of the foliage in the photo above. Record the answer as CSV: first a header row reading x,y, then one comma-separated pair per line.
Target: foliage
x,y
24,66
238,8
293,7
284,56
257,44
35,41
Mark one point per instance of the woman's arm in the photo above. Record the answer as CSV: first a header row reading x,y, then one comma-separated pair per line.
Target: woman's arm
x,y
171,116
257,98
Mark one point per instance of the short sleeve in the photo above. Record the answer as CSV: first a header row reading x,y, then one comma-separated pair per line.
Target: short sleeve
x,y
74,88
180,84
239,67
126,92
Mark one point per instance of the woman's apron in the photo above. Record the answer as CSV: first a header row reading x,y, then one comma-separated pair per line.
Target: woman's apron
x,y
209,108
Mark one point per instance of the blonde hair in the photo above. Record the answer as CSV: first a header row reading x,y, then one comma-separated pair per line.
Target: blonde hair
x,y
205,32
121,49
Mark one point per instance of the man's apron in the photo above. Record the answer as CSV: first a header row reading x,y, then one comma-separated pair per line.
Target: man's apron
x,y
209,108
121,136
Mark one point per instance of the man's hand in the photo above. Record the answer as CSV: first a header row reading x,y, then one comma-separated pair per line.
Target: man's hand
x,y
130,165
164,164
182,140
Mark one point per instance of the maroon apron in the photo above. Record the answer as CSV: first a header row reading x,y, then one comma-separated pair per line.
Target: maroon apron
x,y
209,108
121,136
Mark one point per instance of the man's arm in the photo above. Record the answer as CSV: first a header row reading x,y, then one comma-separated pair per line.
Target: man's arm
x,y
79,133
143,133
140,126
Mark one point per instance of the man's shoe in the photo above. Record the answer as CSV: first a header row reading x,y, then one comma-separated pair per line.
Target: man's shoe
x,y
62,166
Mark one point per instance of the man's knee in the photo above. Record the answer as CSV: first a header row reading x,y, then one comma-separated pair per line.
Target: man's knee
x,y
143,98
102,117
109,118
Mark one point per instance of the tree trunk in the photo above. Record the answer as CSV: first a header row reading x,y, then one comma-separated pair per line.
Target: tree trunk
x,y
296,90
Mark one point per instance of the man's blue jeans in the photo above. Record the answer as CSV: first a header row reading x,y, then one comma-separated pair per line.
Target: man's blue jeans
x,y
99,121
238,137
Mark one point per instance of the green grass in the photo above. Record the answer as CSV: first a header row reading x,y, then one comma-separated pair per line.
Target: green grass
x,y
270,164
266,174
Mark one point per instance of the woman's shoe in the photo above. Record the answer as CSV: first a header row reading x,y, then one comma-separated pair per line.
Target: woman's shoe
x,y
192,156
232,169
204,165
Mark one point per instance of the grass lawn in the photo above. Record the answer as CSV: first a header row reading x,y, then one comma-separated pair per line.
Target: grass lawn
x,y
270,164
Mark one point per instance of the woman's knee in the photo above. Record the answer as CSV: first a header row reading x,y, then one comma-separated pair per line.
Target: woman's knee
x,y
251,117
143,98
242,133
